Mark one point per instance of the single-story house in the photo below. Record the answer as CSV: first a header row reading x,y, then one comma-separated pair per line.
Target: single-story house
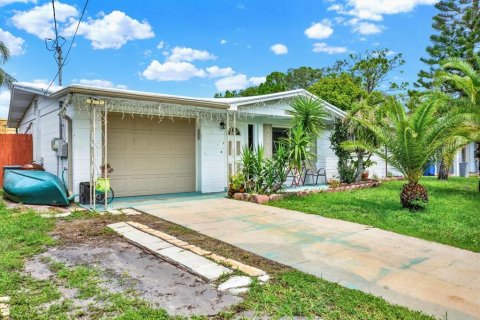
x,y
156,143
466,161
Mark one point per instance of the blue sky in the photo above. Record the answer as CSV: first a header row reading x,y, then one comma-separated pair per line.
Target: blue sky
x,y
198,48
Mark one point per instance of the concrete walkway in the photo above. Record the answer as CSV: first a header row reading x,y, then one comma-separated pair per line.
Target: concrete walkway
x,y
419,274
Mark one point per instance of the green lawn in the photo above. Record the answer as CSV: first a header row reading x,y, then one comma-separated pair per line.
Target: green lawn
x,y
452,216
288,294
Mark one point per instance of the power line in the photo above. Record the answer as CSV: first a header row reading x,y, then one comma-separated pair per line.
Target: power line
x,y
55,19
71,43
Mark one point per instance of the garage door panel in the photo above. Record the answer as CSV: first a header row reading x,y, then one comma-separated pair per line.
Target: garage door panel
x,y
183,184
141,123
183,166
164,164
119,143
119,185
151,157
140,185
114,123
160,144
141,141
140,165
119,164
184,145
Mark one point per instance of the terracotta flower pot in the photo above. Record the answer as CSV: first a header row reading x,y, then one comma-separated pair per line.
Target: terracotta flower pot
x,y
365,176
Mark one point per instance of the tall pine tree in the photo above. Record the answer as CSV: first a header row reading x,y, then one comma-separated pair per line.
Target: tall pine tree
x,y
457,27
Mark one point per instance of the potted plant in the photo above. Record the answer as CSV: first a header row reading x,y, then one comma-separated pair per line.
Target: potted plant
x,y
103,181
236,184
365,175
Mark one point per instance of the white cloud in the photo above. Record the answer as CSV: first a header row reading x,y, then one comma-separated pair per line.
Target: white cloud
x,y
161,45
367,28
100,83
172,71
237,82
217,72
39,20
279,49
257,80
111,31
4,103
14,44
335,7
42,84
223,41
7,2
147,53
319,30
188,54
375,9
325,48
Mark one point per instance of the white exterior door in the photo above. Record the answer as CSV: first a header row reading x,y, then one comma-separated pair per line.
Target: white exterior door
x,y
234,149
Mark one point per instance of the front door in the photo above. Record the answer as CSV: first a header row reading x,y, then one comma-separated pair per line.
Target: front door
x,y
234,150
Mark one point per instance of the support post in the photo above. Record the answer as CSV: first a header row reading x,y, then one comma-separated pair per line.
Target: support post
x,y
105,155
93,172
226,145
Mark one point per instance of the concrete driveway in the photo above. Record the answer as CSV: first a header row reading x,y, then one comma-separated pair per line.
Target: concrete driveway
x,y
419,274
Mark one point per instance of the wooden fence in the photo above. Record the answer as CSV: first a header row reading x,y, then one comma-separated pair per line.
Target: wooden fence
x,y
15,149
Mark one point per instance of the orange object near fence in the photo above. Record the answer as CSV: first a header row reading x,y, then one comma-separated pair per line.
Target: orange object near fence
x,y
15,149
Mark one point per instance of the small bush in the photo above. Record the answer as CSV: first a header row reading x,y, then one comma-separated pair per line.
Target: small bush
x,y
334,183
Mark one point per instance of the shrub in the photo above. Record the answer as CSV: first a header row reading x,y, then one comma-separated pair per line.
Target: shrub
x,y
236,183
334,183
264,175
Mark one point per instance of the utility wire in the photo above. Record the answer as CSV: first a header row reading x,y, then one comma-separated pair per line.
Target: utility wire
x,y
55,20
71,44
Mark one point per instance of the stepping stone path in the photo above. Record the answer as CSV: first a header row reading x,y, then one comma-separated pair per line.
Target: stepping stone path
x,y
235,283
176,255
4,307
189,257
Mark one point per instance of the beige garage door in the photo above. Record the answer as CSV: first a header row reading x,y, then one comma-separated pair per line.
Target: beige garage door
x,y
151,157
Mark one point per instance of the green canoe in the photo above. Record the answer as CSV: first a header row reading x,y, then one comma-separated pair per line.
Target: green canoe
x,y
34,187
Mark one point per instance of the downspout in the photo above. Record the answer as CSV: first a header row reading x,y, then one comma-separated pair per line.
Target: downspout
x,y
60,132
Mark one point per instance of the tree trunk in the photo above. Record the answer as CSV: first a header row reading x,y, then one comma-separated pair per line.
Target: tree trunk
x,y
443,170
360,166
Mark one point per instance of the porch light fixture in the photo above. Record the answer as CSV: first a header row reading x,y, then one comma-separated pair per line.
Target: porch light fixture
x,y
222,125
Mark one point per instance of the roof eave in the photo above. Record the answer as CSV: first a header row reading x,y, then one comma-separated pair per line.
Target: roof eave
x,y
138,96
334,110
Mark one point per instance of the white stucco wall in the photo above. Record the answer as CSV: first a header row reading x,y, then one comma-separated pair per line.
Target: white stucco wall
x,y
41,120
81,146
327,159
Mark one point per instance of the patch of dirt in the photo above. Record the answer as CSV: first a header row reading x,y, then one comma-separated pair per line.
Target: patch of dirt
x,y
125,267
156,281
36,268
86,240
94,230
42,209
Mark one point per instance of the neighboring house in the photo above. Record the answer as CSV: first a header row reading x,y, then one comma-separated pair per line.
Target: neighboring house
x,y
466,157
4,129
155,143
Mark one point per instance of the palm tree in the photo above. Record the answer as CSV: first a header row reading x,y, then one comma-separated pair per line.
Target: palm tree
x,y
412,139
5,78
308,114
465,77
308,120
363,110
